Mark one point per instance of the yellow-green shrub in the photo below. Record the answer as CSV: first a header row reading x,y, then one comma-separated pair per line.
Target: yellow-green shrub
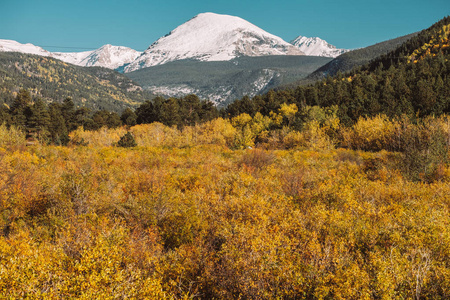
x,y
11,137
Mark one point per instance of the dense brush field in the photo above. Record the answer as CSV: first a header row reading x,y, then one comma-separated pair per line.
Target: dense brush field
x,y
228,210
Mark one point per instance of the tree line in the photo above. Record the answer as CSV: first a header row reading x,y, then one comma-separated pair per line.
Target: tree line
x,y
52,123
412,80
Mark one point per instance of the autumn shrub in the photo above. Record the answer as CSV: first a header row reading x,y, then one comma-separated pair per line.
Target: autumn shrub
x,y
251,130
98,268
11,137
316,136
257,159
344,155
218,131
156,135
102,137
284,138
172,219
293,139
313,135
425,148
371,134
294,182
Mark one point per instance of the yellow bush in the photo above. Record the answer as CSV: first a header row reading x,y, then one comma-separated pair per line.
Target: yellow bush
x,y
372,134
104,137
11,136
218,131
183,216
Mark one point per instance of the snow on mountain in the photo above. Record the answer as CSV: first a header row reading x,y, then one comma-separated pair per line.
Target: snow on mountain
x,y
13,46
107,56
317,47
206,37
74,58
213,37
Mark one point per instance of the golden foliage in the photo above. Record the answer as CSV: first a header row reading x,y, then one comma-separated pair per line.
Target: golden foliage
x,y
186,215
11,137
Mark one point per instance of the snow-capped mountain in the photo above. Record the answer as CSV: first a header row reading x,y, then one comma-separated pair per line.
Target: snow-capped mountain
x,y
13,46
74,58
317,47
213,37
107,56
206,37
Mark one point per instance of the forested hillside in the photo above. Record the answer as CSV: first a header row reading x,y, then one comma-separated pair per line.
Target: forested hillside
x,y
413,80
53,81
358,57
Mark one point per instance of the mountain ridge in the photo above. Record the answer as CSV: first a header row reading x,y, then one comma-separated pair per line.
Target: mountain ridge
x,y
205,37
107,56
358,57
213,37
314,46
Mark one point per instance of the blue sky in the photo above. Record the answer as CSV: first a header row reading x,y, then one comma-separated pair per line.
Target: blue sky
x,y
138,23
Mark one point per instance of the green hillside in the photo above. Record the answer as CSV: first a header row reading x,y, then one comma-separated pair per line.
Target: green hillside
x,y
53,80
413,79
358,57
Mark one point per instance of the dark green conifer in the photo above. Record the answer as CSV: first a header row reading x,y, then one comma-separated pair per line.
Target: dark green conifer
x,y
127,141
128,117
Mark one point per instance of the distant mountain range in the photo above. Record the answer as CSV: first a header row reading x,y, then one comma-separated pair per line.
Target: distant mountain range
x,y
317,47
107,56
213,37
206,37
218,57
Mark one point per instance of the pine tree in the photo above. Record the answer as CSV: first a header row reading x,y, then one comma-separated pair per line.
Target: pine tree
x,y
20,109
127,141
68,113
113,120
170,112
128,117
40,118
189,110
57,126
5,116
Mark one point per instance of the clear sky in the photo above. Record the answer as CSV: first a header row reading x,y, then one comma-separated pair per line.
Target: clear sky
x,y
138,23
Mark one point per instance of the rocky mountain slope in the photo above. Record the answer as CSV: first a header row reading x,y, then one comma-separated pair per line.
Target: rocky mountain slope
x,y
225,81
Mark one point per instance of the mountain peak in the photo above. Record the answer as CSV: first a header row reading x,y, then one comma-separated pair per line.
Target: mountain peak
x,y
211,17
107,56
213,37
314,46
13,46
